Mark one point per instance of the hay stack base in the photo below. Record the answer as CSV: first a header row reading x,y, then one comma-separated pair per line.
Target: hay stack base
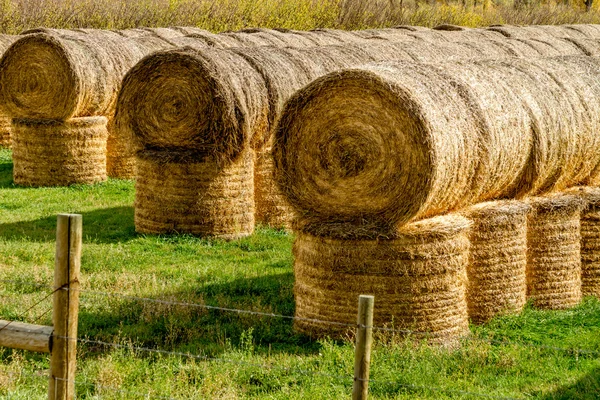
x,y
5,132
553,255
177,193
271,207
59,153
497,267
418,280
590,240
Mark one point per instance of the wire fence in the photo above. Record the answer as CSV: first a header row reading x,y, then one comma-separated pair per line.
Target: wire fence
x,y
345,379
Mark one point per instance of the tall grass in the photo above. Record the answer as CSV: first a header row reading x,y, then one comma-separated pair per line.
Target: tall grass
x,y
220,15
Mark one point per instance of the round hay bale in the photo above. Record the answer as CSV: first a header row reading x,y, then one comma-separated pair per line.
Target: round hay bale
x,y
59,153
538,32
590,240
418,278
497,282
184,99
589,47
390,137
5,132
181,193
591,31
553,251
56,78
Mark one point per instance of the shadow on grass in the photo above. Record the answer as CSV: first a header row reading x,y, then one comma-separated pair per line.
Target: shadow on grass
x,y
202,331
6,171
587,388
105,225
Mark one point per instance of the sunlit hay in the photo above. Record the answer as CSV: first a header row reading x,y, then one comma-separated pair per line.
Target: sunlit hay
x,y
271,207
455,33
591,31
553,251
498,258
579,92
589,47
269,37
400,140
5,132
418,278
59,153
557,123
590,240
184,193
537,32
51,77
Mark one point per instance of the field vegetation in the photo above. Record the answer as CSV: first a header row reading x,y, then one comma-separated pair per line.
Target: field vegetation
x,y
242,355
221,15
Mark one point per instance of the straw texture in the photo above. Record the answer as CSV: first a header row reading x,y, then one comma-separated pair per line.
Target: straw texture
x,y
553,255
418,279
56,153
590,240
5,132
59,77
180,193
498,259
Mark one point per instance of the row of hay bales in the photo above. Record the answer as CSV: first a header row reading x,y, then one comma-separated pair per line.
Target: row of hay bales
x,y
224,103
435,275
370,157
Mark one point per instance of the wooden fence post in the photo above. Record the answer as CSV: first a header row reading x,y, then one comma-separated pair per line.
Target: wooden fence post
x,y
362,353
65,307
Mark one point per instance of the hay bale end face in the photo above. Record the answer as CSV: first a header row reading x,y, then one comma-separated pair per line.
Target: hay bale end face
x,y
418,280
59,153
554,251
498,259
185,193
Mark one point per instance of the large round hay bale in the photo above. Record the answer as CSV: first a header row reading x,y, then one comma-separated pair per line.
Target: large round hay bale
x,y
403,141
591,31
538,32
418,278
5,132
497,282
181,193
553,251
51,77
59,153
590,240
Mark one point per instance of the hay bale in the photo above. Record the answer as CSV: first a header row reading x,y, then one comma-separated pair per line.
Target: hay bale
x,y
553,251
272,208
538,32
589,47
591,31
401,140
496,273
418,278
57,78
59,153
5,132
183,193
590,240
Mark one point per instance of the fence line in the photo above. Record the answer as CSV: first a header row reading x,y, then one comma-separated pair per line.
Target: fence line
x,y
291,317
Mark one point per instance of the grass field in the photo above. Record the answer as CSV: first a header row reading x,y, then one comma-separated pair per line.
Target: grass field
x,y
250,356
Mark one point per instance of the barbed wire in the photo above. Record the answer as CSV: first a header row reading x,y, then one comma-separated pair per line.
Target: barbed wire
x,y
314,320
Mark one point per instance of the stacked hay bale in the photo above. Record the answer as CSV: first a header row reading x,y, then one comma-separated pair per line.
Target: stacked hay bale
x,y
408,141
51,81
590,240
553,255
418,277
5,42
496,273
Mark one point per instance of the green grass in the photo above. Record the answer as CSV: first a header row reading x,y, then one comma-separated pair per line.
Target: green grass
x,y
248,356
